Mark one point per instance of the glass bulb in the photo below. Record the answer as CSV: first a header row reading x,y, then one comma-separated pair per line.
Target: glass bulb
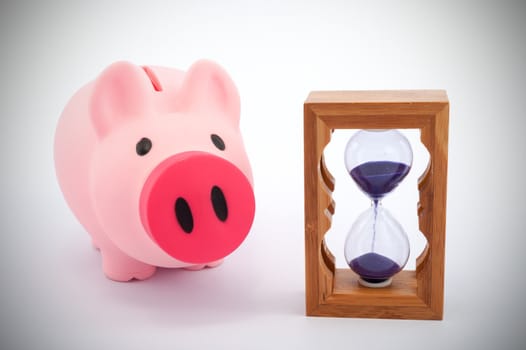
x,y
378,160
376,247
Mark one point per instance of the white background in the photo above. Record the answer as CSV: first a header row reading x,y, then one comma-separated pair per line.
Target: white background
x,y
53,292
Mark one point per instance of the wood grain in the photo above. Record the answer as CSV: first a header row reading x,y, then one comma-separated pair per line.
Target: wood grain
x,y
335,292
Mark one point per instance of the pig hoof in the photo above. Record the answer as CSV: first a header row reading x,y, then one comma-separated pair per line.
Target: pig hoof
x,y
125,276
127,270
202,266
215,263
195,267
145,273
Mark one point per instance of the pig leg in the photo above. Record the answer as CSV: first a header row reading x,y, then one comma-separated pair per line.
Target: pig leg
x,y
120,267
202,266
215,263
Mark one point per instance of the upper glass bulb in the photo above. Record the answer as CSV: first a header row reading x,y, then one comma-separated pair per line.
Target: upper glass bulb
x,y
378,160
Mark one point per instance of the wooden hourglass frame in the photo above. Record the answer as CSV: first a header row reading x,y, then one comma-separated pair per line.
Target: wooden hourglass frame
x,y
336,292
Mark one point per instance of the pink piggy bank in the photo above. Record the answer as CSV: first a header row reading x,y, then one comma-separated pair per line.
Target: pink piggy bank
x,y
152,163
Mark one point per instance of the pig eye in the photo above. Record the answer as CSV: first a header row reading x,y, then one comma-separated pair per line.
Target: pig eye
x,y
218,142
143,146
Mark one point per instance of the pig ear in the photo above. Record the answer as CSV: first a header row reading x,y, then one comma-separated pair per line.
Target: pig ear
x,y
121,92
208,88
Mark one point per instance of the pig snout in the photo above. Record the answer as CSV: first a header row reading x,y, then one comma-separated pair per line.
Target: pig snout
x,y
197,207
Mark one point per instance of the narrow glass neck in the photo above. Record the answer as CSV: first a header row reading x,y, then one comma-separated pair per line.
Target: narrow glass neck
x,y
376,202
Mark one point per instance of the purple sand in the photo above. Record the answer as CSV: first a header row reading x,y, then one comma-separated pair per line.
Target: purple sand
x,y
374,267
379,178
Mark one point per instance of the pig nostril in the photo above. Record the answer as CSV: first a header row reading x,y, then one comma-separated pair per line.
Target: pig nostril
x,y
184,215
218,142
219,203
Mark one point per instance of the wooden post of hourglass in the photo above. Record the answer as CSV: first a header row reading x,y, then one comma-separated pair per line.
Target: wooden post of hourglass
x,y
335,292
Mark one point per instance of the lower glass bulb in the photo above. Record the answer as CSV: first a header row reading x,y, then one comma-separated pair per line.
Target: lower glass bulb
x,y
376,247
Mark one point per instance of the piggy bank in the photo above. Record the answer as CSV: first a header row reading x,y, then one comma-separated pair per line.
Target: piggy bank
x,y
152,163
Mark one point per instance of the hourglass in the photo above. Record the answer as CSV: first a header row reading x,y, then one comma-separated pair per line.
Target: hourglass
x,y
377,158
377,247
